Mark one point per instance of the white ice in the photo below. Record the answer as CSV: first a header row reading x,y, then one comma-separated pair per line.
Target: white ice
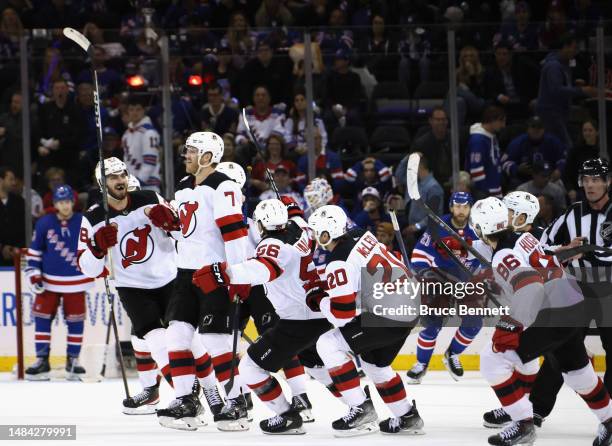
x,y
452,412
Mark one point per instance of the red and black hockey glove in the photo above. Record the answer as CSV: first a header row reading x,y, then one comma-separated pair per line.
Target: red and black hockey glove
x,y
454,245
36,284
314,297
242,291
164,217
507,334
104,238
293,209
210,277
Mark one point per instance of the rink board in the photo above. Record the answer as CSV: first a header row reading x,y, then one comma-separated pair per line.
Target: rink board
x,y
97,317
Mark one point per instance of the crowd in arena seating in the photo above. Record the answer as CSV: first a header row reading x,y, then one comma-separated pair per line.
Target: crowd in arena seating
x,y
526,77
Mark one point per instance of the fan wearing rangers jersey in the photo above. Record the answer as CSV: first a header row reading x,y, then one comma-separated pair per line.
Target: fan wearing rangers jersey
x,y
427,256
144,269
283,262
53,275
377,345
539,291
207,223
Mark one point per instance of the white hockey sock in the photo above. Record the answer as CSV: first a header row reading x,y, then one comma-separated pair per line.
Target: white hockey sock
x,y
182,365
145,365
589,386
203,364
220,348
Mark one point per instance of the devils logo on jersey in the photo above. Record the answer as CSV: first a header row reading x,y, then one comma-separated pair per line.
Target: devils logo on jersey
x,y
137,246
188,217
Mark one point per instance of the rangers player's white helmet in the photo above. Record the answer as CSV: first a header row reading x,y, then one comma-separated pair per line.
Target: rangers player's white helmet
x,y
330,219
522,203
112,166
270,215
234,171
318,193
489,216
205,142
133,183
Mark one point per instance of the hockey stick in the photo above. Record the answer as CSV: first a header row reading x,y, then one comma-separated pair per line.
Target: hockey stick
x,y
567,254
108,330
261,152
399,239
413,192
235,330
86,45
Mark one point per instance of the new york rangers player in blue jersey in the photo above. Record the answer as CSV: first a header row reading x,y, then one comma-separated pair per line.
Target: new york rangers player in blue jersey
x,y
427,254
53,273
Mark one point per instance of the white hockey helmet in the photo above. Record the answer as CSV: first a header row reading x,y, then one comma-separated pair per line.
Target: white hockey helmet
x,y
234,171
205,142
270,215
318,193
489,216
133,183
330,219
112,166
522,203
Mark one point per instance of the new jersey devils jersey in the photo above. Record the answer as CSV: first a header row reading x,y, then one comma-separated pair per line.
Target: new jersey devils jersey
x,y
144,256
358,250
283,263
212,225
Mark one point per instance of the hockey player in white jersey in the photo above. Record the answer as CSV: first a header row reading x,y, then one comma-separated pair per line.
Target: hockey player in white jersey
x,y
283,262
207,222
538,292
144,268
377,345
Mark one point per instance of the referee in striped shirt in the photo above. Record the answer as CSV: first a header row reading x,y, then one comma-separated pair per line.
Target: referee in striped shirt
x,y
587,222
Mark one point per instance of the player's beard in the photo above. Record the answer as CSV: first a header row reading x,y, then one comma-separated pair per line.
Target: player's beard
x,y
118,194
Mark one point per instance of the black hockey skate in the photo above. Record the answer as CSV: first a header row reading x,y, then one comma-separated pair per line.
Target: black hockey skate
x,y
410,423
453,365
288,423
233,416
249,401
214,400
184,413
143,403
604,434
498,418
300,403
519,432
74,370
360,420
416,373
39,371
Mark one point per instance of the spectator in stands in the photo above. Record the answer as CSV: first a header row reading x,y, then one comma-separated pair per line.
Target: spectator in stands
x,y
432,194
272,14
85,107
216,116
274,156
508,83
556,25
586,149
415,50
262,116
470,84
534,146
380,51
61,130
11,30
386,236
110,82
540,184
11,138
296,123
283,179
369,173
55,177
520,33
229,149
483,158
319,78
225,72
372,211
269,69
239,38
12,218
344,86
326,160
140,143
53,71
547,212
556,90
36,202
335,36
464,183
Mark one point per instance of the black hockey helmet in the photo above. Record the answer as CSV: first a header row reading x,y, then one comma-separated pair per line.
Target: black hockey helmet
x,y
595,167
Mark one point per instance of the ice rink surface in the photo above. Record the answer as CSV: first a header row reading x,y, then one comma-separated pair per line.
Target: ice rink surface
x,y
452,412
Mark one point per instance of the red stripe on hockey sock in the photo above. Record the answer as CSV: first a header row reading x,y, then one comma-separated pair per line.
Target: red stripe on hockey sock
x,y
527,381
268,389
203,366
392,390
75,339
510,391
598,398
145,366
462,339
40,337
223,366
166,372
334,391
293,368
426,343
345,377
138,354
181,363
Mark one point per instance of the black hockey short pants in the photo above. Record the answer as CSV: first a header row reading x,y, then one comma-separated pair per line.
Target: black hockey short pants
x,y
259,307
146,308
